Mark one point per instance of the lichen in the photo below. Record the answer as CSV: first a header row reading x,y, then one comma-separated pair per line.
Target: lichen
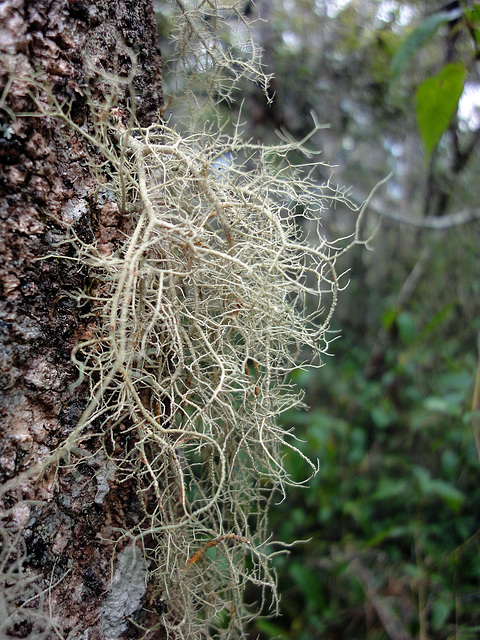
x,y
193,324
125,594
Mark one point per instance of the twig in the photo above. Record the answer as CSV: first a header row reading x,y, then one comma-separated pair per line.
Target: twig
x,y
387,616
437,223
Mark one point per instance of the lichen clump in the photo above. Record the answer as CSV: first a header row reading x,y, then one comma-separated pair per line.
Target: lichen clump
x,y
201,315
223,284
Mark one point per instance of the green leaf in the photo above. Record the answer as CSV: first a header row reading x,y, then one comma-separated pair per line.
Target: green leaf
x,y
414,571
450,462
438,319
436,102
429,486
382,417
423,478
448,493
406,327
441,609
419,36
390,533
448,404
270,629
472,16
388,318
308,582
389,488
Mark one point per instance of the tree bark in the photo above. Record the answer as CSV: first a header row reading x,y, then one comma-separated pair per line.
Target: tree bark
x,y
58,532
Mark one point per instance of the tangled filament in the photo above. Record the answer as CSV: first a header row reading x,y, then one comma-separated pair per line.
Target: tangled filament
x,y
198,318
204,311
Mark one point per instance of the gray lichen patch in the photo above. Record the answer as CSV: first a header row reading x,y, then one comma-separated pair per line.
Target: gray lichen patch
x,y
125,594
74,209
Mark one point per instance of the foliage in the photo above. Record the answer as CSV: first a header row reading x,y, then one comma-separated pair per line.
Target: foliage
x,y
419,37
436,102
437,97
396,491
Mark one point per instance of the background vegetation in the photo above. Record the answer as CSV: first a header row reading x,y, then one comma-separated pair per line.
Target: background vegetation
x,y
392,517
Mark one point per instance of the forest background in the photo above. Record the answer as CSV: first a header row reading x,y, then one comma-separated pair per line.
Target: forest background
x,y
391,520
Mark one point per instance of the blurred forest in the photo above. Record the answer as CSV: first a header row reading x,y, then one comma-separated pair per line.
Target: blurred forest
x,y
391,522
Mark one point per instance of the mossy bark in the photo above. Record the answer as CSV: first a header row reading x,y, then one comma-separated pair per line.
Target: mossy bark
x,y
67,534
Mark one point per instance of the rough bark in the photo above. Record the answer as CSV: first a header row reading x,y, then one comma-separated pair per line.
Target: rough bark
x,y
60,529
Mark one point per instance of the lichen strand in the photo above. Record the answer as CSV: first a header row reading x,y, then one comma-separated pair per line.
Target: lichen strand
x,y
201,50
203,312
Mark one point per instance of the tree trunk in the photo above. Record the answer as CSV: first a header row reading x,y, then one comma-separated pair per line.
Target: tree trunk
x,y
58,532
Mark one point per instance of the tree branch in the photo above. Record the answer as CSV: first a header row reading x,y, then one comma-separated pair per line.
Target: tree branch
x,y
430,222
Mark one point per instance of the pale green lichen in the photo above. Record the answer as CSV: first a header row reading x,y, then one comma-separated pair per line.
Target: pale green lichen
x,y
200,315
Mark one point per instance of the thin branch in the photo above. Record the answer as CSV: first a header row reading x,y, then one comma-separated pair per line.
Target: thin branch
x,y
437,223
388,617
432,222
